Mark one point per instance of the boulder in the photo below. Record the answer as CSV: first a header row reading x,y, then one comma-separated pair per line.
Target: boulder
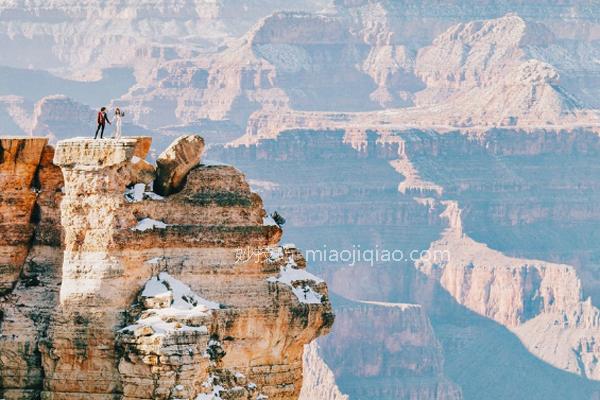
x,y
175,163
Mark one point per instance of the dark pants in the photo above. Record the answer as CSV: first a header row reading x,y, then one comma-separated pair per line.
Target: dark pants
x,y
101,130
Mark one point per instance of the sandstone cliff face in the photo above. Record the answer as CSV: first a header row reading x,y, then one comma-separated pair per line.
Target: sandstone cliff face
x,y
31,279
152,297
319,380
19,159
403,361
540,301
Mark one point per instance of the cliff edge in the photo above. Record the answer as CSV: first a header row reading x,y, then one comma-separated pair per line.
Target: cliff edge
x,y
110,290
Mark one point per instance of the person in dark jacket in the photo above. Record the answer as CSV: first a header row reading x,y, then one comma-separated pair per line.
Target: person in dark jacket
x,y
102,120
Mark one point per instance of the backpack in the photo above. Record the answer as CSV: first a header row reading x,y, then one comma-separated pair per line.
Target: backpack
x,y
100,117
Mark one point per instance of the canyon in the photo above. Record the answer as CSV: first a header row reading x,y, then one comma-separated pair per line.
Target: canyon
x,y
482,212
463,134
106,284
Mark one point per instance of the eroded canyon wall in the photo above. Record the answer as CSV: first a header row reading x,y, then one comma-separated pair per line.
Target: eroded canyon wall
x,y
386,189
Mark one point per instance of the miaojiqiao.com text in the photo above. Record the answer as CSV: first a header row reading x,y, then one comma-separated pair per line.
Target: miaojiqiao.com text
x,y
354,255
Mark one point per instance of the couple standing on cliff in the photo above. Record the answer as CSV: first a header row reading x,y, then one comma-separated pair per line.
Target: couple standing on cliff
x,y
103,119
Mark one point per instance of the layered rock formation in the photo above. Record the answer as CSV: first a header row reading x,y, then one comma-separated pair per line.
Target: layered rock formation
x,y
433,85
19,160
530,195
540,301
464,76
319,380
159,297
79,40
27,306
404,361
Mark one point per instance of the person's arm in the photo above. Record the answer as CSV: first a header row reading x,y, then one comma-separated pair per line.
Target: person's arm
x,y
106,118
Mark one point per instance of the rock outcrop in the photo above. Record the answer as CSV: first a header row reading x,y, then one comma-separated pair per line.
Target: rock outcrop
x,y
19,160
540,301
31,295
404,361
175,163
183,296
319,380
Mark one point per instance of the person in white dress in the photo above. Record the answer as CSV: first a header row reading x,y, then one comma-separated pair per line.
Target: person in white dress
x,y
118,122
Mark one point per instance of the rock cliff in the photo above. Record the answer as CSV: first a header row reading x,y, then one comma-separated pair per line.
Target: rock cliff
x,y
540,301
389,351
529,201
117,291
19,160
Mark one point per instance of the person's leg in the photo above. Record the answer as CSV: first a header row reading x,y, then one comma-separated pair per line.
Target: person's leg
x,y
97,130
102,131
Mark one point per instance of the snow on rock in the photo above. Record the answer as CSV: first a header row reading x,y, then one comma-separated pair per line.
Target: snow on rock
x,y
298,279
290,274
275,253
136,193
149,224
183,296
170,304
269,221
215,390
153,196
307,295
154,287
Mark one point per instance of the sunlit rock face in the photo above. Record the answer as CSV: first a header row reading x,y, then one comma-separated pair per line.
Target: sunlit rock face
x,y
343,67
19,159
128,293
540,301
31,192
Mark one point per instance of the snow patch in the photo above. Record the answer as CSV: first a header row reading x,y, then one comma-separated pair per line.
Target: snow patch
x,y
154,287
275,253
149,224
135,194
269,221
216,390
153,196
185,305
138,193
298,279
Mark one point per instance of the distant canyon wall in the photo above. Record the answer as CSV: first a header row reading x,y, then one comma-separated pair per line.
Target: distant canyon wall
x,y
389,189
